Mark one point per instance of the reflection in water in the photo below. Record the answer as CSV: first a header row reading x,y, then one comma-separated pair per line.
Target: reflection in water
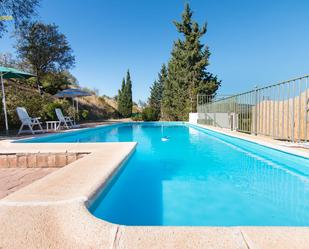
x,y
200,179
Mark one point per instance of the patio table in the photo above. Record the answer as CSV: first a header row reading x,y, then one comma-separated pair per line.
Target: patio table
x,y
52,125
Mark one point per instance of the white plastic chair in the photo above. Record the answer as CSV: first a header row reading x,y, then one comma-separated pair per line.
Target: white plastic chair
x,y
26,120
65,121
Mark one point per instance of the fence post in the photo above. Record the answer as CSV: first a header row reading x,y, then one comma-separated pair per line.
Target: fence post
x,y
255,114
306,109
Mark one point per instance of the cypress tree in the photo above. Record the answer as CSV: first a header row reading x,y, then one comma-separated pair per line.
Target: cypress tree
x,y
128,96
125,102
121,98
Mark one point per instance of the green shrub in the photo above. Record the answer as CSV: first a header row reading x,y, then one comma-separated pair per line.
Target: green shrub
x,y
84,114
137,117
150,114
49,109
31,100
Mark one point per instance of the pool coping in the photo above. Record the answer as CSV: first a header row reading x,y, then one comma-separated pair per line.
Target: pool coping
x,y
52,212
260,140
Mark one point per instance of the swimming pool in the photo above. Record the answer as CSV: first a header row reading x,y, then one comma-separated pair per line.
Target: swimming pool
x,y
181,174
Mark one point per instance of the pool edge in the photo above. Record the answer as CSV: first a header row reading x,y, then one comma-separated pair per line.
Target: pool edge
x,y
263,141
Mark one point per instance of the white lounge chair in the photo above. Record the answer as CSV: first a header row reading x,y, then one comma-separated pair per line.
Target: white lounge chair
x,y
26,120
65,121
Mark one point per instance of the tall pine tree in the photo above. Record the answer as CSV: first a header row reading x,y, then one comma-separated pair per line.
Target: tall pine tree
x,y
153,111
187,73
154,100
156,92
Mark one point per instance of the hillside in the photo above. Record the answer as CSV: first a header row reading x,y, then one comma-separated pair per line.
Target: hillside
x,y
93,108
98,107
113,103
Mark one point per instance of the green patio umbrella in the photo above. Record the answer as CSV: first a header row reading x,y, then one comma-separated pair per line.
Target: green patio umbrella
x,y
10,73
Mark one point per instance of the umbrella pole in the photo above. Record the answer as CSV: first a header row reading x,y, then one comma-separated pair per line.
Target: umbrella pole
x,y
77,109
74,110
4,106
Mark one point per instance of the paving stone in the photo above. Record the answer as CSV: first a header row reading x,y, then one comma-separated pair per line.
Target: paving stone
x,y
31,160
12,179
51,160
61,159
41,160
12,161
22,161
3,161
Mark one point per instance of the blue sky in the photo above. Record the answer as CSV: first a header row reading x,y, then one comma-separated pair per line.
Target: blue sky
x,y
252,42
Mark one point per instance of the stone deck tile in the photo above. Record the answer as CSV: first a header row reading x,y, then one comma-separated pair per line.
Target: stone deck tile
x,y
13,179
276,237
129,237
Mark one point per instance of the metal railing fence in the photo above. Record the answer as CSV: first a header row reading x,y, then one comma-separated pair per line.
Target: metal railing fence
x,y
280,110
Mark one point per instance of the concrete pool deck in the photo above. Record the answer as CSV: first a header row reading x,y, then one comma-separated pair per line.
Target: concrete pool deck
x,y
13,179
52,212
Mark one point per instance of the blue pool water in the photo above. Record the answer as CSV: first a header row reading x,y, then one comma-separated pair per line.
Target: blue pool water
x,y
198,177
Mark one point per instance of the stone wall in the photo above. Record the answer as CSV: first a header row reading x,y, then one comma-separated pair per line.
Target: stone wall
x,y
38,160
